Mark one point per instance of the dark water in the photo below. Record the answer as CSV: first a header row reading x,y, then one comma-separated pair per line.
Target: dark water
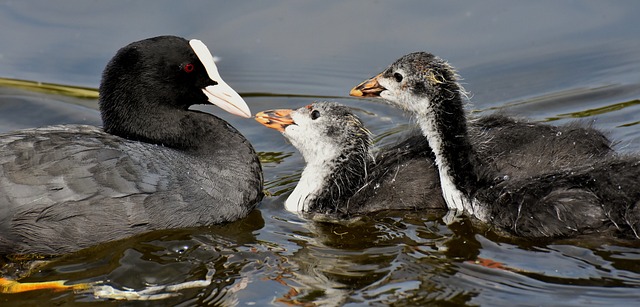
x,y
546,60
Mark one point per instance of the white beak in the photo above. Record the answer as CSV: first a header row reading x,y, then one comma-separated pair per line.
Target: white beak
x,y
220,94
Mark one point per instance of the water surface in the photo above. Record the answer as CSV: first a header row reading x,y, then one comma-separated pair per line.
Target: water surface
x,y
550,61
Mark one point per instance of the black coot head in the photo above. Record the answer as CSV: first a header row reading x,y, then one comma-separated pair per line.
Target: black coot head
x,y
156,75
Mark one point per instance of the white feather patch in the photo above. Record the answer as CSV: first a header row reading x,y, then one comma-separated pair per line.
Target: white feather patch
x,y
318,150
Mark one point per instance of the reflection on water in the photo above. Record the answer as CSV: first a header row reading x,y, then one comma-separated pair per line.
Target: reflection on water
x,y
582,63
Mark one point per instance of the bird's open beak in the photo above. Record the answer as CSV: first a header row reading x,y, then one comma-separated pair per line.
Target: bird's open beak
x,y
275,119
368,88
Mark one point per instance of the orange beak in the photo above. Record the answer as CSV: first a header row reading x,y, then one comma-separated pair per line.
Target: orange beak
x,y
368,88
275,119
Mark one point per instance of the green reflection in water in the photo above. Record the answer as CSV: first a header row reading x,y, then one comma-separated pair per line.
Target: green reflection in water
x,y
598,111
50,88
282,184
273,157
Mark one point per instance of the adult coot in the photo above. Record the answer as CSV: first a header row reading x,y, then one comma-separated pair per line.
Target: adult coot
x,y
155,164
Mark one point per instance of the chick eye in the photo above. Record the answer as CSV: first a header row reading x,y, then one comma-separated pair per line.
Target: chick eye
x,y
398,77
315,114
188,68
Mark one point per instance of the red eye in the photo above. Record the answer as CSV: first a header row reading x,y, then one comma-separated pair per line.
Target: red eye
x,y
188,67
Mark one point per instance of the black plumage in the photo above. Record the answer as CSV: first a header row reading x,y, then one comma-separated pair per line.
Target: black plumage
x,y
155,165
581,186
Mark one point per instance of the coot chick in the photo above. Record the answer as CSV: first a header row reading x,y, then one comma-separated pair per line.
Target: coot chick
x,y
155,164
586,195
513,147
342,177
345,176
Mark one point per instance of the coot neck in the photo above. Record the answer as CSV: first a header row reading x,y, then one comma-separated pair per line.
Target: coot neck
x,y
443,122
156,122
326,185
